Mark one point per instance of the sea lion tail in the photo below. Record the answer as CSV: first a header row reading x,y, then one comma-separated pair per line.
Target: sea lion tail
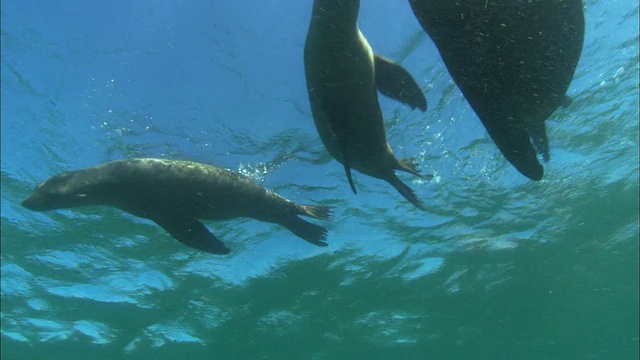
x,y
310,232
316,211
409,165
406,191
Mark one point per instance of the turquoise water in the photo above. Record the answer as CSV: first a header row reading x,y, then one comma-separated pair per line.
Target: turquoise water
x,y
499,268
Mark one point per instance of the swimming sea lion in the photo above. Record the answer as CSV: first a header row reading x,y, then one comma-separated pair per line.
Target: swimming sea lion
x,y
513,62
175,194
342,74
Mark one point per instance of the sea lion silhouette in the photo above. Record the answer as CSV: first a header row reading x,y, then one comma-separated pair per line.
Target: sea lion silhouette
x,y
343,76
513,62
175,194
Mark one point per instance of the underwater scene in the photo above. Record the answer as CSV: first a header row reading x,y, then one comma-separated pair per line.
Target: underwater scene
x,y
319,179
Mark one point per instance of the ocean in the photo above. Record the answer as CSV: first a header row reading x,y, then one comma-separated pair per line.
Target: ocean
x,y
499,267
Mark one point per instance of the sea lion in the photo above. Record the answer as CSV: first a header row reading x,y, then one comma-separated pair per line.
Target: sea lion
x,y
175,194
342,74
513,62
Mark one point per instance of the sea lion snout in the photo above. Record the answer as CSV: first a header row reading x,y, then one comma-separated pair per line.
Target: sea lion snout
x,y
34,202
44,201
27,203
51,195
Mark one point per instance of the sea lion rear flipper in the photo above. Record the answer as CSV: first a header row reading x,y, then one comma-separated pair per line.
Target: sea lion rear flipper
x,y
566,101
336,112
499,59
394,81
321,212
312,233
345,158
538,130
347,170
409,165
406,191
193,233
514,142
538,133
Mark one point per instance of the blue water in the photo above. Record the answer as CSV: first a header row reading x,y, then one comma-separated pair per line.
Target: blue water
x,y
499,268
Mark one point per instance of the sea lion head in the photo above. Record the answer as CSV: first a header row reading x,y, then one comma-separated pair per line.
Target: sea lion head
x,y
66,190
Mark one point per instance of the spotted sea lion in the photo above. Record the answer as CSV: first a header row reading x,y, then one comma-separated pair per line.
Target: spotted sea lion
x,y
513,60
343,76
175,194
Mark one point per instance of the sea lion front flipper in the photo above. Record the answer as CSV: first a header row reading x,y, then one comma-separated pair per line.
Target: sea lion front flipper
x,y
193,233
394,81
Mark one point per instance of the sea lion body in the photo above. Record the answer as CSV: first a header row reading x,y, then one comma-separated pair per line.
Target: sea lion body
x,y
343,76
354,98
513,62
175,194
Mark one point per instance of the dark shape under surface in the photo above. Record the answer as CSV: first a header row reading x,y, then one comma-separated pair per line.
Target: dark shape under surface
x,y
343,77
513,61
175,194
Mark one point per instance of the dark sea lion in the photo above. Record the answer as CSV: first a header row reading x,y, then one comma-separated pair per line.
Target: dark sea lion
x,y
175,194
342,74
513,60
